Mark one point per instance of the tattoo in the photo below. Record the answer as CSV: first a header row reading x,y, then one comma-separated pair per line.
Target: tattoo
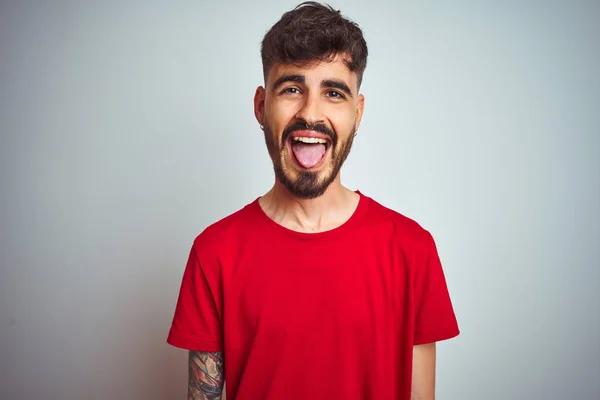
x,y
206,376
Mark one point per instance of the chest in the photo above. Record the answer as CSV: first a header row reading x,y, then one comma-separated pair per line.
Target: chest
x,y
306,287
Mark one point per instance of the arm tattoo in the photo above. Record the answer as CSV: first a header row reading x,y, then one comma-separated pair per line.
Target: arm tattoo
x,y
206,376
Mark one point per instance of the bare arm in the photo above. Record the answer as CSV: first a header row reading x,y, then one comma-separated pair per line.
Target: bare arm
x,y
206,377
423,376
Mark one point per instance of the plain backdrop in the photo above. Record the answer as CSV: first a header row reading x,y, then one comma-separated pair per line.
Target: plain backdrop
x,y
127,128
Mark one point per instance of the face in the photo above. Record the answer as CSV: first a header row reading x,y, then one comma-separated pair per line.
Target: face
x,y
310,114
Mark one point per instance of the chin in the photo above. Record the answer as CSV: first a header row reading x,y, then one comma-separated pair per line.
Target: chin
x,y
306,183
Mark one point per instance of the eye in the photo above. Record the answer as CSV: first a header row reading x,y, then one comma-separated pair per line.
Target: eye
x,y
335,94
291,90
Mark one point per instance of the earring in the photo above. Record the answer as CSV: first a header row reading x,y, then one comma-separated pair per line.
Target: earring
x,y
262,128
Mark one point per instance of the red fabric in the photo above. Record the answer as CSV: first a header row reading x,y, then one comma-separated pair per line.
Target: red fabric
x,y
331,315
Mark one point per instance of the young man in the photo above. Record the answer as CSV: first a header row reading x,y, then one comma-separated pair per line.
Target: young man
x,y
312,291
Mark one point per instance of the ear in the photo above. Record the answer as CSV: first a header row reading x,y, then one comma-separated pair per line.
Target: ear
x,y
360,107
259,105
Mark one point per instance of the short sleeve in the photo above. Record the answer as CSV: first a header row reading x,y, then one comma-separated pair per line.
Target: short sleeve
x,y
434,315
197,323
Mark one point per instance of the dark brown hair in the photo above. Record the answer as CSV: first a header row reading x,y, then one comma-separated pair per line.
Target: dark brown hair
x,y
314,32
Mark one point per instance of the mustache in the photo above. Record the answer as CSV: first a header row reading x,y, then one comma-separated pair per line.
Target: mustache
x,y
302,126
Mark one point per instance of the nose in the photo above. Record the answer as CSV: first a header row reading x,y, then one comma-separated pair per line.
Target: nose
x,y
310,110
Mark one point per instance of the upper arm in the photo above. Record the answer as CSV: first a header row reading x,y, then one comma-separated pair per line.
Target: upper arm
x,y
197,320
423,372
434,318
206,376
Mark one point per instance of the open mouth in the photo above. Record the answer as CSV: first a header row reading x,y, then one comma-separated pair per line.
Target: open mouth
x,y
309,148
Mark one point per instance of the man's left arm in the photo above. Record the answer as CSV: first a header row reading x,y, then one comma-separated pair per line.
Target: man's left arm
x,y
423,374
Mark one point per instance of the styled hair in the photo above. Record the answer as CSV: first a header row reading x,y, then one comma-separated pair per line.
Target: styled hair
x,y
314,32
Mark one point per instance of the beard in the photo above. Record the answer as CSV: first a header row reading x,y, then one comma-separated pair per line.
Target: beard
x,y
307,184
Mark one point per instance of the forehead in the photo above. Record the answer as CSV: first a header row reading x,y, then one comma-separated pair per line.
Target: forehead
x,y
316,71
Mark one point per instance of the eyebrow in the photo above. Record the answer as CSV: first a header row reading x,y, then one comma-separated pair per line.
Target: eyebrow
x,y
288,78
337,84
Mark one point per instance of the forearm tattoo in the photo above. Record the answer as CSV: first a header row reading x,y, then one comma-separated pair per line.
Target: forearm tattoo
x,y
206,376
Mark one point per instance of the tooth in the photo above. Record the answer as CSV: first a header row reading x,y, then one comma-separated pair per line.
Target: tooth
x,y
309,140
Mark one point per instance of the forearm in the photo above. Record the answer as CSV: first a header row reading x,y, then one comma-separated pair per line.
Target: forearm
x,y
206,377
423,375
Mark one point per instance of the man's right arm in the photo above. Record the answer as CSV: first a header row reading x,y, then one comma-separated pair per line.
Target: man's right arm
x,y
206,376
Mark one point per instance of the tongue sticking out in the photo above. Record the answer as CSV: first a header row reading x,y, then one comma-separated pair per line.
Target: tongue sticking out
x,y
308,155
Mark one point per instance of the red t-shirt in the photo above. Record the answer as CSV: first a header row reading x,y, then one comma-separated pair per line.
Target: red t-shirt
x,y
331,315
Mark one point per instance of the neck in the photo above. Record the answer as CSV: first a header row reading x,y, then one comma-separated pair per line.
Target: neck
x,y
326,212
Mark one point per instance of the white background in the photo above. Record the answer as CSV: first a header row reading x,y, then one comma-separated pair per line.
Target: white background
x,y
127,128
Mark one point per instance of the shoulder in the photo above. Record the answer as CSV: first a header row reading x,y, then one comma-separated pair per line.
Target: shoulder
x,y
401,228
228,229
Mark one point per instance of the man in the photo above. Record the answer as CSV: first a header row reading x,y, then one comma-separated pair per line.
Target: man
x,y
312,291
